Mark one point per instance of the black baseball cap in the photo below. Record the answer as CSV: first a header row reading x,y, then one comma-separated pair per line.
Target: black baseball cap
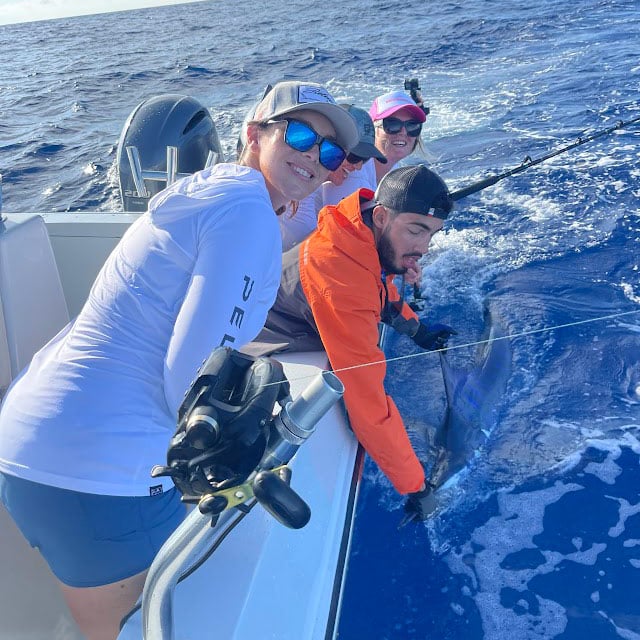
x,y
415,189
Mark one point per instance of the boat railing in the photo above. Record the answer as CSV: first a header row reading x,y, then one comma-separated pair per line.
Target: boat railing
x,y
168,177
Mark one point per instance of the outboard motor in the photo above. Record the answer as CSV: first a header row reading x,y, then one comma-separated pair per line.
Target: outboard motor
x,y
165,138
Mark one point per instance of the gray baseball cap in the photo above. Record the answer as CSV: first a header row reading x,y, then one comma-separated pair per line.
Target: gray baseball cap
x,y
291,96
366,147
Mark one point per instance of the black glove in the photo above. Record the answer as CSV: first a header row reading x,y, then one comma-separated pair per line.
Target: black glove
x,y
420,505
433,336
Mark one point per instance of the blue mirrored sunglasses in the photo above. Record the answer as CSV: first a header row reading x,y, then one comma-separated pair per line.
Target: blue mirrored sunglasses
x,y
301,137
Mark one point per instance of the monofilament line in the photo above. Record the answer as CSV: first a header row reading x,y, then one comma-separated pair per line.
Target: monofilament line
x,y
510,336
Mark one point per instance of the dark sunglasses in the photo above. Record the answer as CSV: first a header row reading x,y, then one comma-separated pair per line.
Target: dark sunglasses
x,y
352,158
301,137
394,125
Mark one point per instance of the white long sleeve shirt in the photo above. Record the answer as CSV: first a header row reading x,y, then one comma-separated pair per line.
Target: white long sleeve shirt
x,y
95,409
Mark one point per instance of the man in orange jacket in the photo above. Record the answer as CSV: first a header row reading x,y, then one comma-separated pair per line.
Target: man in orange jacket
x,y
336,288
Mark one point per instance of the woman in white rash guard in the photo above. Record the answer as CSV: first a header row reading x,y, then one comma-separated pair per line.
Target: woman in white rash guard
x,y
82,426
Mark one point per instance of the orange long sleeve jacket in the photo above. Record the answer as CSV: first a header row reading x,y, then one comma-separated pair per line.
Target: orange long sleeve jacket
x,y
340,274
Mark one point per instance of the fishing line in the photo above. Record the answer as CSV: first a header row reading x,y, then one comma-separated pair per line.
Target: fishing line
x,y
471,344
479,186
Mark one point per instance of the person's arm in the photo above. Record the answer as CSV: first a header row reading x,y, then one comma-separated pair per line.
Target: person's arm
x,y
366,176
403,319
234,283
394,297
398,314
347,321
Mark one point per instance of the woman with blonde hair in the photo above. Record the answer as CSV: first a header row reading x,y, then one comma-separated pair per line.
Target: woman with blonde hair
x,y
398,123
82,426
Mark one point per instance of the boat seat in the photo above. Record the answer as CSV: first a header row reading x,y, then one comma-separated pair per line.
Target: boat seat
x,y
32,303
32,310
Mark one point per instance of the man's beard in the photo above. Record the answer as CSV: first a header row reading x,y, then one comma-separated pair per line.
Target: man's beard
x,y
387,255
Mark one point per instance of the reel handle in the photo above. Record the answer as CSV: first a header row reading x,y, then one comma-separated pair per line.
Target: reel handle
x,y
280,500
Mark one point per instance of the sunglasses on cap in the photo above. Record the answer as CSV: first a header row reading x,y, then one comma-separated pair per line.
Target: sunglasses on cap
x,y
301,137
394,125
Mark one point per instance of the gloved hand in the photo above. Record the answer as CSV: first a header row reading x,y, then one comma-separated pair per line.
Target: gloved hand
x,y
433,336
420,505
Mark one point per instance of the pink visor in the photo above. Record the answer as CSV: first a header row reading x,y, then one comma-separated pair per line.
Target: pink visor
x,y
388,103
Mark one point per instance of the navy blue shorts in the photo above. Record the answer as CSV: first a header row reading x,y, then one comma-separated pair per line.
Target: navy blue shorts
x,y
91,540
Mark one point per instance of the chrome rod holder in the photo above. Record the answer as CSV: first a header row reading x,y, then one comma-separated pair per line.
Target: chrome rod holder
x,y
172,164
136,171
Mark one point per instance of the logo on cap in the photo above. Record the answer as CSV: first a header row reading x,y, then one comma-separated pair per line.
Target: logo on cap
x,y
307,93
391,100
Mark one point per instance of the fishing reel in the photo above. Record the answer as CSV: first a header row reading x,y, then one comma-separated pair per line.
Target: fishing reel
x,y
229,447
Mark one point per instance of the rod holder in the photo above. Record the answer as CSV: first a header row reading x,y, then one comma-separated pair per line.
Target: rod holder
x,y
172,164
136,171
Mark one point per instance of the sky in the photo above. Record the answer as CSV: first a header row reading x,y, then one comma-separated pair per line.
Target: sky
x,y
12,11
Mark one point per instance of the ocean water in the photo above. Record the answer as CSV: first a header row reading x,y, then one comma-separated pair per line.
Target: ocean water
x,y
537,531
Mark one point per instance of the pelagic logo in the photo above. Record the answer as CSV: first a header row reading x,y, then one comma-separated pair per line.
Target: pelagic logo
x,y
237,315
308,93
156,490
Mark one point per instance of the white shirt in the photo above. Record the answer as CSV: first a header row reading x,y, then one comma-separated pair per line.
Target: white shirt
x,y
296,227
97,406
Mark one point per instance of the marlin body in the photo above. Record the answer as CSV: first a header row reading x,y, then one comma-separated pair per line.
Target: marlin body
x,y
473,399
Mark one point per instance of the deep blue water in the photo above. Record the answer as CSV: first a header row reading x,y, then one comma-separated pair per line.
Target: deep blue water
x,y
538,533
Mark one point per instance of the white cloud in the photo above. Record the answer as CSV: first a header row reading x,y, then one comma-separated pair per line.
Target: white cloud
x,y
12,11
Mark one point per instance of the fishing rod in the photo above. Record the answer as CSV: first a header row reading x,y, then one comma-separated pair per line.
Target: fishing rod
x,y
439,467
418,301
528,162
